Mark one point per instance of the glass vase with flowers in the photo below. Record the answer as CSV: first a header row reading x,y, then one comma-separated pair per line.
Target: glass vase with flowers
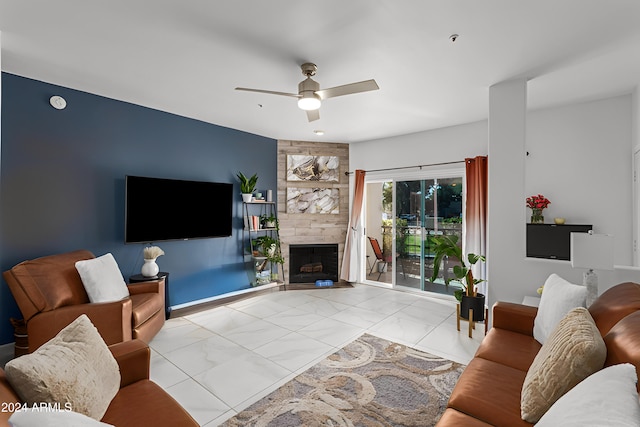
x,y
537,203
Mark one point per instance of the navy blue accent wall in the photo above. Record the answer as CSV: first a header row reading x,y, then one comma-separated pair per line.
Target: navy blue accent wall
x,y
62,184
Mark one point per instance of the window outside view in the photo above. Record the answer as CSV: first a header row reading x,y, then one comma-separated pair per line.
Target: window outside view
x,y
423,209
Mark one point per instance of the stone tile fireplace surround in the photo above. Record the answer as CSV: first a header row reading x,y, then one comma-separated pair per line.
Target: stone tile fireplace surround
x,y
304,228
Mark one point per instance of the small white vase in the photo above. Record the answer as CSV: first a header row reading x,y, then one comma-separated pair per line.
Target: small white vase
x,y
150,268
246,197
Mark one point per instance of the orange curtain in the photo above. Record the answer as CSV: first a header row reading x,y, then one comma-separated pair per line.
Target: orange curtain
x,y
349,270
476,213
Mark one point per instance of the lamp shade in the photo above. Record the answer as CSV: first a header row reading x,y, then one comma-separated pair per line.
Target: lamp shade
x,y
593,251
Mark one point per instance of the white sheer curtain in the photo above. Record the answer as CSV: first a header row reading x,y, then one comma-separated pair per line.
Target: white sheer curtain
x,y
352,250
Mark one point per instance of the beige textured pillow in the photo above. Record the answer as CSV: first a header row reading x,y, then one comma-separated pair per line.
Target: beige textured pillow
x,y
572,352
75,368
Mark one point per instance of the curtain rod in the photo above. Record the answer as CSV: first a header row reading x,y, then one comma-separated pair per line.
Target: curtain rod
x,y
409,167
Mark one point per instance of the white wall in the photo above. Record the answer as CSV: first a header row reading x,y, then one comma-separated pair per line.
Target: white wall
x,y
441,145
580,158
635,140
506,219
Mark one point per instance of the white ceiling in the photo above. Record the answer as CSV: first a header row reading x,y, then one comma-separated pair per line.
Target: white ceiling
x,y
187,56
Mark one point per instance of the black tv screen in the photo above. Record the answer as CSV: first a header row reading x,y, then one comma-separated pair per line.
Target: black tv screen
x,y
158,209
552,241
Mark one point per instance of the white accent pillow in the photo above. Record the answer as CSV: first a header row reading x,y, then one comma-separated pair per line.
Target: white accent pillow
x,y
75,370
102,279
43,418
559,297
606,398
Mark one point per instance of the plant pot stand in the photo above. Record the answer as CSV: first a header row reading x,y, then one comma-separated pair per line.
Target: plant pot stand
x,y
472,323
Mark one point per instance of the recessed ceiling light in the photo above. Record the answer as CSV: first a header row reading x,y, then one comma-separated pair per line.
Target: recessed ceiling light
x,y
318,132
58,102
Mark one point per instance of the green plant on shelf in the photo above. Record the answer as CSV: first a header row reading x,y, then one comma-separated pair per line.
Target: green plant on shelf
x,y
269,221
247,185
269,248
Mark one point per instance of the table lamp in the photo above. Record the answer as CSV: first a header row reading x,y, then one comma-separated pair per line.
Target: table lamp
x,y
593,252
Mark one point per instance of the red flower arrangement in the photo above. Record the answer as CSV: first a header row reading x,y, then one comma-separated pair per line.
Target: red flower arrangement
x,y
537,202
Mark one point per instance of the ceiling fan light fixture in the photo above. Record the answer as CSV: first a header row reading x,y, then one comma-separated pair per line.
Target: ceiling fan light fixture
x,y
309,101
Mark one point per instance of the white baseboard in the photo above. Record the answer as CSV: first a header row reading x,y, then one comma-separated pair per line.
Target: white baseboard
x,y
227,295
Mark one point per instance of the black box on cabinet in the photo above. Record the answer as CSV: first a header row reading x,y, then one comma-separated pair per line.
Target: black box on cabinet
x,y
552,241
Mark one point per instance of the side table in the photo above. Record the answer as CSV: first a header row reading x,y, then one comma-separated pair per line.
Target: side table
x,y
137,278
532,301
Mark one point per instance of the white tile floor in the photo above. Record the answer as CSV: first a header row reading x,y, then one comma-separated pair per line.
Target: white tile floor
x,y
219,361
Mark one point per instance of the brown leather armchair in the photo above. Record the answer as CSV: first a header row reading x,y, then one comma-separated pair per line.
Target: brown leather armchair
x,y
140,402
50,295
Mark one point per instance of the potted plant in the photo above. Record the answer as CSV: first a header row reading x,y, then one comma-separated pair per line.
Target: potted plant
x,y
247,185
268,248
263,243
447,246
269,221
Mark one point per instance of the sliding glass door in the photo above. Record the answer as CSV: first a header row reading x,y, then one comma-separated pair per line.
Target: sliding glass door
x,y
404,215
379,232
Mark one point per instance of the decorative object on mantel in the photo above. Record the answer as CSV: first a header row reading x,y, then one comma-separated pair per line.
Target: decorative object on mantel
x,y
447,246
247,185
593,252
537,204
559,221
313,168
150,268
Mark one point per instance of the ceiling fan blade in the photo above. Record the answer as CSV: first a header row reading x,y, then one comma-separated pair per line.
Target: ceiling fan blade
x,y
270,92
313,115
332,92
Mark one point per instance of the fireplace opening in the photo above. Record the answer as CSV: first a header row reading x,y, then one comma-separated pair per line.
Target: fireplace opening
x,y
308,263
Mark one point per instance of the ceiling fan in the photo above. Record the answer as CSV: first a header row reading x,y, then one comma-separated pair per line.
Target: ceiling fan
x,y
310,95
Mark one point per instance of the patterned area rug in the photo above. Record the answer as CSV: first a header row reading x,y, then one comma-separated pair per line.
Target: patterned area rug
x,y
370,383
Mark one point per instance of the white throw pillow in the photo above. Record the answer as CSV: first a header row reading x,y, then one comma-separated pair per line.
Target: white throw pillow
x,y
606,398
75,370
102,279
559,297
45,418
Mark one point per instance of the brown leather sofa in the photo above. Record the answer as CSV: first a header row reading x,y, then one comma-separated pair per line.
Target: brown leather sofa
x,y
50,295
488,391
139,403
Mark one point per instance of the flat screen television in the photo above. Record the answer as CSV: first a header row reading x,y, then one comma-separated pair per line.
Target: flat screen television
x,y
159,209
552,241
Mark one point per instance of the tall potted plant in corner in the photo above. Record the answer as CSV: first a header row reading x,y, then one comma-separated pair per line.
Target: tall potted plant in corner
x,y
247,185
447,246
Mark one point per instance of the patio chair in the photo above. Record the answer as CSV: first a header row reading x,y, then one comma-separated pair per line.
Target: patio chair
x,y
379,257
